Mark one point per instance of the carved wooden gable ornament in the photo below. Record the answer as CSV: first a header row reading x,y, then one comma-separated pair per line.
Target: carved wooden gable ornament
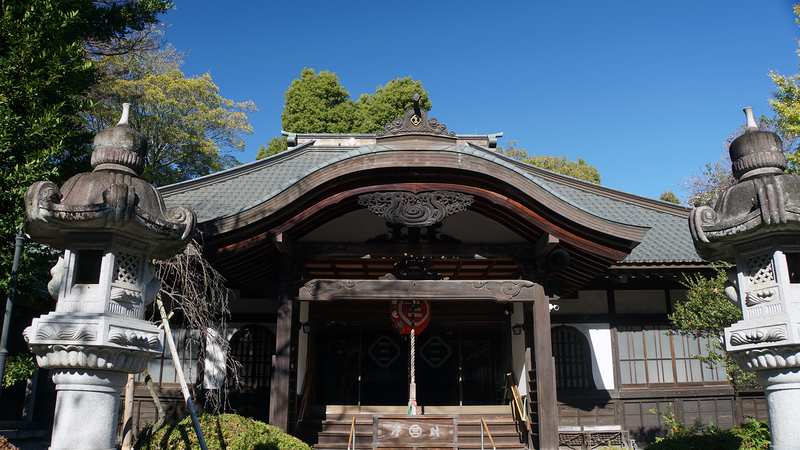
x,y
416,210
415,121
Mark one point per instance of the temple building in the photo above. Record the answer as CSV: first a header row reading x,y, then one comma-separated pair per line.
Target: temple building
x,y
522,285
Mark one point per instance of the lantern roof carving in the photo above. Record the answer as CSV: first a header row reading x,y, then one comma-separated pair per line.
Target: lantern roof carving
x,y
763,200
111,197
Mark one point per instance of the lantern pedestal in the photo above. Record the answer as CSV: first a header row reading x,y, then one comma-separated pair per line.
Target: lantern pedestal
x,y
783,403
87,398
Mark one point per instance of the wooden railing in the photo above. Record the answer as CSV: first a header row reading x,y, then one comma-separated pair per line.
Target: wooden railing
x,y
486,427
303,400
516,407
350,440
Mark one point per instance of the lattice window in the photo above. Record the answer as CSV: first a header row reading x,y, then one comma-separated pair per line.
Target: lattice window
x,y
573,359
126,268
761,270
253,346
651,354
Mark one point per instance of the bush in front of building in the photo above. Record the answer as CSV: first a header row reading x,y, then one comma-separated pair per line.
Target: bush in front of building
x,y
221,432
753,435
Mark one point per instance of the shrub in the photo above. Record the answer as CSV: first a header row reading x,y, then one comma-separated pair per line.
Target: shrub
x,y
18,368
221,432
753,435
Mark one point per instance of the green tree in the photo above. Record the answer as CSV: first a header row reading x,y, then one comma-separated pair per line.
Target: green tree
x,y
190,127
785,104
669,196
579,169
276,145
44,76
389,102
318,103
705,314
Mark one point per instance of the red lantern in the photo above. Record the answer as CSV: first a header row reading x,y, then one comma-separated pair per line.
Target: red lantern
x,y
403,312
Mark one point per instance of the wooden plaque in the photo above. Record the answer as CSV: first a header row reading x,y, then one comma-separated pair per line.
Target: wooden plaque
x,y
427,432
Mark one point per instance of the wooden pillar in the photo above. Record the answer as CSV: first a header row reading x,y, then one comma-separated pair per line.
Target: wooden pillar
x,y
127,416
545,372
286,330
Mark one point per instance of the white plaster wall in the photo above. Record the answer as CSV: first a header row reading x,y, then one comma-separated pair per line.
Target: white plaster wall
x,y
302,348
518,350
599,336
215,360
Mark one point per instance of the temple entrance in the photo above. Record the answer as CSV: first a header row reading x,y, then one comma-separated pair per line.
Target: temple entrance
x,y
365,362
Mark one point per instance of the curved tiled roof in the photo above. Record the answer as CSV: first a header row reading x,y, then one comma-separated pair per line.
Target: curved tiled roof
x,y
235,190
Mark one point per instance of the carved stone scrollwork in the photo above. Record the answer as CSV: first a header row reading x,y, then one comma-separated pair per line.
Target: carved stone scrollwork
x,y
66,332
755,336
761,296
91,357
133,338
416,210
769,358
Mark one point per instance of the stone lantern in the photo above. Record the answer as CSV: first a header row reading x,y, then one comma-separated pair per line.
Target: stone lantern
x,y
756,226
110,225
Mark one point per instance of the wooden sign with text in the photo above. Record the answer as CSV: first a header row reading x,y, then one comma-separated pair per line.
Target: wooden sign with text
x,y
428,432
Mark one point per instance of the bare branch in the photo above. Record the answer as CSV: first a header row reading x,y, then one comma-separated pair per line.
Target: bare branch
x,y
198,292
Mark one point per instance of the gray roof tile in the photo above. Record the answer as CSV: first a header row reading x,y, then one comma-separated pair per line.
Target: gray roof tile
x,y
238,189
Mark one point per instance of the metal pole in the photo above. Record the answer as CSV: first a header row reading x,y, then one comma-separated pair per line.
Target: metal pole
x,y
12,289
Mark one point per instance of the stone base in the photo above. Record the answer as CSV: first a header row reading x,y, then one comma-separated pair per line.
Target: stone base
x,y
783,402
87,409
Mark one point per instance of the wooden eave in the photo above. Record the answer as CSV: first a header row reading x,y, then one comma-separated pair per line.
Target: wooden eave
x,y
422,167
242,245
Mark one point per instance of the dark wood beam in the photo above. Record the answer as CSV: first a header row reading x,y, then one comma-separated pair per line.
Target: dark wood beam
x,y
282,361
544,245
545,373
283,244
458,251
371,290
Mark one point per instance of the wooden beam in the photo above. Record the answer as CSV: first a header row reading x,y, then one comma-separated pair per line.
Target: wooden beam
x,y
283,244
450,251
429,165
282,361
545,373
544,245
608,240
500,290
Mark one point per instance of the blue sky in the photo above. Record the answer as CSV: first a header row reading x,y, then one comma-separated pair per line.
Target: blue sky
x,y
645,91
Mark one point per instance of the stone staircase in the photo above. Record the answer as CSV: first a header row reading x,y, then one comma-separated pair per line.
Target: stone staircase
x,y
333,434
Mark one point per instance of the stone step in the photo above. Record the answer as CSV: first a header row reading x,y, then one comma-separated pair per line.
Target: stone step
x,y
333,434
